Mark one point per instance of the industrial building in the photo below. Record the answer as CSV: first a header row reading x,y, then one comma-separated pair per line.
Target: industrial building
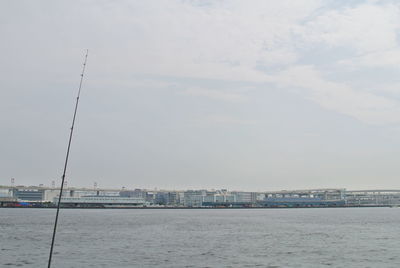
x,y
84,197
98,201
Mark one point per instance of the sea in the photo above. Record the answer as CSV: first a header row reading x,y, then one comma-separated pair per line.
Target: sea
x,y
309,237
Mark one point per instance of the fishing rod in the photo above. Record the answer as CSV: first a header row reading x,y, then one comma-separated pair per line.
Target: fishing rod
x,y
66,160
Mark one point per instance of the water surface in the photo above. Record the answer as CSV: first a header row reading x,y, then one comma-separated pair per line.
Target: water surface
x,y
335,237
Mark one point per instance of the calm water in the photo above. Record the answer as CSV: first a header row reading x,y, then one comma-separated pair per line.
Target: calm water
x,y
351,237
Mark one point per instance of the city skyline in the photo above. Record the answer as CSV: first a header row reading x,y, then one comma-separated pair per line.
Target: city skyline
x,y
213,198
95,187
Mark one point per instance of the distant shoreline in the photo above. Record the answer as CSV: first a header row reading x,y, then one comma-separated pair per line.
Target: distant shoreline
x,y
199,208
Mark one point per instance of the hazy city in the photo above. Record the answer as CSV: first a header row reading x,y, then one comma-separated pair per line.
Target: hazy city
x,y
200,133
75,197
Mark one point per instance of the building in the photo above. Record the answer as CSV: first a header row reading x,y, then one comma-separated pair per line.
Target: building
x,y
245,197
28,194
301,202
137,193
101,201
167,198
5,193
194,198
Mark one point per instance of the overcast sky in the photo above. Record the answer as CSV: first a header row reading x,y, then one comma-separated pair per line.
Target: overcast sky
x,y
251,95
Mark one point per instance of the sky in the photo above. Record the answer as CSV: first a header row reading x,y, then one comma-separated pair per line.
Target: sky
x,y
243,95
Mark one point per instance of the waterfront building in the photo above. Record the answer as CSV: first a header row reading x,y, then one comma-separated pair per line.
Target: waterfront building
x,y
180,197
5,193
166,198
28,194
301,202
219,197
138,193
194,198
172,198
209,198
101,201
50,194
161,198
151,197
245,197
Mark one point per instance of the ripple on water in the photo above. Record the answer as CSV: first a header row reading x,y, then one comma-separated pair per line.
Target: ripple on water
x,y
204,238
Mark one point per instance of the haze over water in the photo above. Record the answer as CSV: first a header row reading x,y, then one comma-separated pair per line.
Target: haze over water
x,y
337,237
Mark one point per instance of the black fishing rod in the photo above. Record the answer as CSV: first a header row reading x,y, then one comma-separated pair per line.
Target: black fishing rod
x,y
66,160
